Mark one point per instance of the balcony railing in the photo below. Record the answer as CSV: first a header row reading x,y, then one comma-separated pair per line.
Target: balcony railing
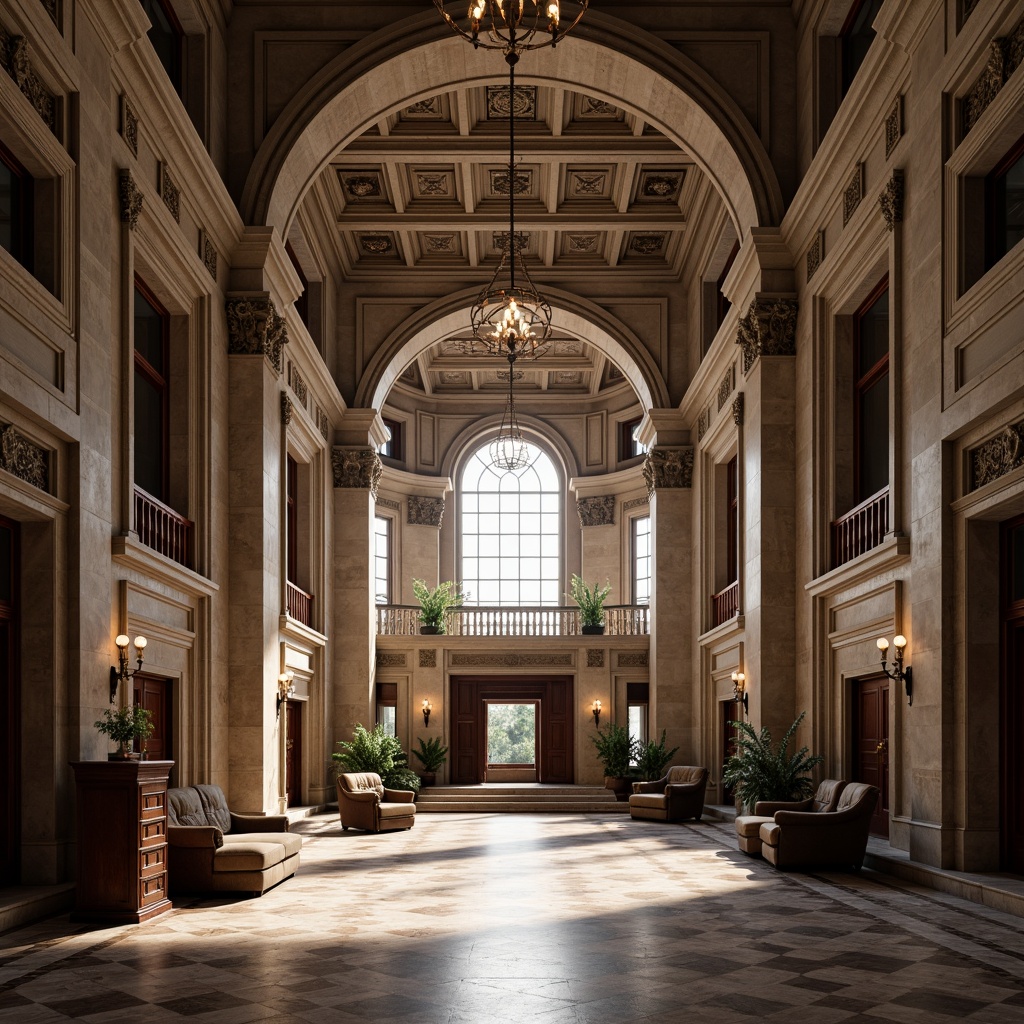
x,y
161,528
300,604
725,604
478,620
861,529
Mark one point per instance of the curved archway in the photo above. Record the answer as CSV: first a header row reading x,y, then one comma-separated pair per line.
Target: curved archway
x,y
419,57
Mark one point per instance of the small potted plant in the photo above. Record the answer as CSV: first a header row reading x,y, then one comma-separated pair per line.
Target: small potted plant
x,y
124,726
373,750
653,758
432,756
435,602
616,749
591,603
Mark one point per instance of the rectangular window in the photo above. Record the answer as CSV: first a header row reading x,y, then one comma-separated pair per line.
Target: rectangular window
x,y
152,334
856,36
1004,203
302,302
871,394
641,545
731,521
291,519
167,37
637,699
629,446
723,304
387,707
392,448
15,209
382,559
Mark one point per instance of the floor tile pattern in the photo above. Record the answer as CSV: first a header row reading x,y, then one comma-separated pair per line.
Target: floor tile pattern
x,y
548,919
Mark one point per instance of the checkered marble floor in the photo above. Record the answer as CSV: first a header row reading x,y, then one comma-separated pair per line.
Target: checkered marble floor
x,y
539,918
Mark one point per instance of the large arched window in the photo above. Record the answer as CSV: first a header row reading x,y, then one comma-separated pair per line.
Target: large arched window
x,y
511,532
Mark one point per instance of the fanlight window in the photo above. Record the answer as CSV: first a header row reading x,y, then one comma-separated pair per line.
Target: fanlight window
x,y
511,532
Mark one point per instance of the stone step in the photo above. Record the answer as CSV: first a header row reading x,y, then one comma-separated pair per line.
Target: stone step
x,y
525,798
520,807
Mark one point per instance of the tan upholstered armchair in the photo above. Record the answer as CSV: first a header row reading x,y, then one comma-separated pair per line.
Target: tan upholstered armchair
x,y
748,826
676,797
364,803
839,838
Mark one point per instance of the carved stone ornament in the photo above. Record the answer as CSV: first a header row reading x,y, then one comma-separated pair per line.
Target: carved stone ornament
x,y
595,657
815,254
998,456
169,192
323,423
129,125
853,194
130,196
596,511
767,329
23,459
286,409
389,503
667,468
256,328
209,257
299,386
356,468
725,388
428,658
633,659
703,422
424,511
509,659
986,86
737,410
634,503
891,200
390,659
893,125
14,57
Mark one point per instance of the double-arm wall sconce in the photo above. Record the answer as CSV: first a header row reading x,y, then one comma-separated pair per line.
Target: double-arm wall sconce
x,y
285,689
120,672
739,692
426,707
897,672
595,710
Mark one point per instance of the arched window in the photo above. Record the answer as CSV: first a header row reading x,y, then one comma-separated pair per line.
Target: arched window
x,y
511,532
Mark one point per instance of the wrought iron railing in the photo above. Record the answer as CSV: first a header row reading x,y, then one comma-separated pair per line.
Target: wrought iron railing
x,y
479,620
860,529
161,528
300,604
725,604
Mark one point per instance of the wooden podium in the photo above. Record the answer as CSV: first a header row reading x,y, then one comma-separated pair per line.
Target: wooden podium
x,y
122,840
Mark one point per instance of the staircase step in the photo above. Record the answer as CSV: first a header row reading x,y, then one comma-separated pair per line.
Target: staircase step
x,y
524,798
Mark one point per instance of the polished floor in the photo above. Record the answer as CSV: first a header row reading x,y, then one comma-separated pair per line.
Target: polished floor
x,y
539,918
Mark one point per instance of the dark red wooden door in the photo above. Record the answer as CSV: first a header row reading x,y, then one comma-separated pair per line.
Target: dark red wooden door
x,y
293,753
1011,699
10,709
871,744
154,694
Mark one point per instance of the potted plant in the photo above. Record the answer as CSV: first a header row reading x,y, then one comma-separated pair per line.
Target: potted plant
x,y
591,604
124,726
432,756
653,758
616,749
376,751
435,602
757,771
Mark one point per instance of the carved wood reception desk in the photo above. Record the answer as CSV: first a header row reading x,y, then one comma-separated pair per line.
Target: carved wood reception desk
x,y
122,840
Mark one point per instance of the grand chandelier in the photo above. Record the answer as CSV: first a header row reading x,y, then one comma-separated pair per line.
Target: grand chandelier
x,y
514,25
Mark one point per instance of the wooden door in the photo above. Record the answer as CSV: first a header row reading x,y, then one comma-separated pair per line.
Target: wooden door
x,y
293,753
1011,699
154,694
871,744
10,709
555,761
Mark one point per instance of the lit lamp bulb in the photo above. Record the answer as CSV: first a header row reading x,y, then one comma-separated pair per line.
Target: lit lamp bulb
x,y
882,644
122,641
595,709
899,642
140,645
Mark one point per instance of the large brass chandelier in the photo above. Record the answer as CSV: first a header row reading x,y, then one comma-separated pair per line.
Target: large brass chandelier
x,y
511,25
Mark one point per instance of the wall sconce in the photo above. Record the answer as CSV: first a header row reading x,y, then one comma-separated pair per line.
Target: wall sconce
x,y
120,671
285,689
897,672
596,711
427,707
739,692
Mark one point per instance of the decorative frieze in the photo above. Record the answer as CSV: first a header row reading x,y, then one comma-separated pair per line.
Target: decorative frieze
x,y
129,125
667,468
323,423
130,197
767,329
633,659
893,125
737,410
595,657
15,59
23,459
208,254
256,328
169,191
298,385
424,511
1005,55
390,659
510,659
356,468
725,388
634,503
703,422
389,503
428,658
815,254
853,194
286,408
891,199
998,456
596,511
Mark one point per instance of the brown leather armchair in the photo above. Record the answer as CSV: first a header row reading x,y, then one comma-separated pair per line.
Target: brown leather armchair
x,y
364,803
748,826
838,838
676,797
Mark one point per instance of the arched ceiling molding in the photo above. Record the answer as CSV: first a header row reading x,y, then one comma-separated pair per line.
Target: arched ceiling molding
x,y
449,316
419,57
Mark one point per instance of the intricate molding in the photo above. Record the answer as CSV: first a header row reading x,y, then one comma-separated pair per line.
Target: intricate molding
x,y
815,254
428,658
323,423
596,511
510,659
1005,55
424,511
23,459
129,125
737,410
208,253
633,659
169,192
256,328
50,6
725,388
853,194
666,468
286,409
390,503
595,657
998,456
299,386
767,329
891,199
130,196
893,127
390,659
14,56
703,422
634,503
356,468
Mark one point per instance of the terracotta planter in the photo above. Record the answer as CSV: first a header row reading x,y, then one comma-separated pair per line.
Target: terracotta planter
x,y
621,787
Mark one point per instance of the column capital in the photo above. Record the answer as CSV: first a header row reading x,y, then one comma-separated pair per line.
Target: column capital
x,y
767,329
424,511
255,327
356,468
668,468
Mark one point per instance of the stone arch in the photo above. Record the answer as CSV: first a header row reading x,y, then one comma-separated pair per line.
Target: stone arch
x,y
450,315
420,56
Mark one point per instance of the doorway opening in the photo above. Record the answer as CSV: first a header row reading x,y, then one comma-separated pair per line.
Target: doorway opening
x,y
871,744
512,741
10,708
293,753
156,695
1011,701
